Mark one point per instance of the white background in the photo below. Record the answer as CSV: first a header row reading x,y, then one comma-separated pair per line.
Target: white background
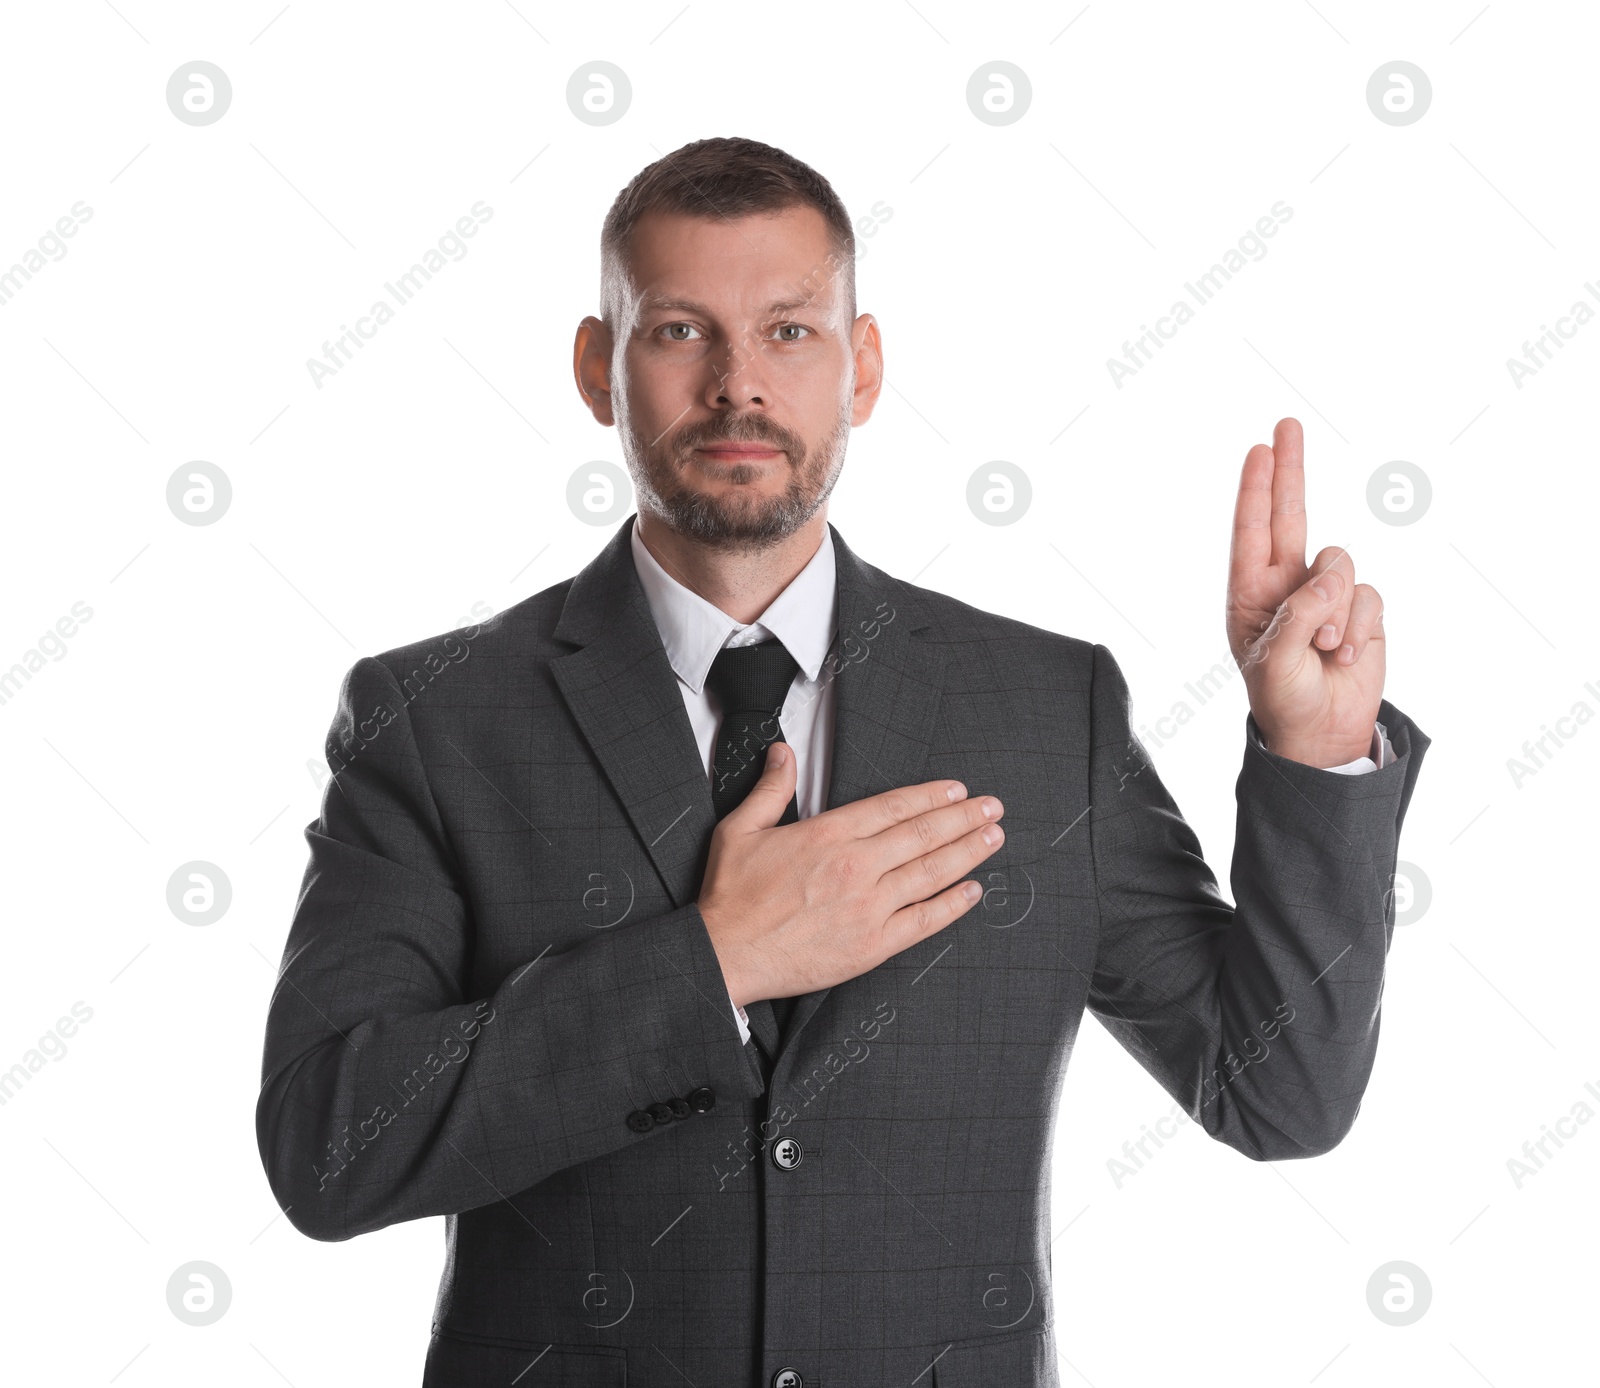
x,y
430,474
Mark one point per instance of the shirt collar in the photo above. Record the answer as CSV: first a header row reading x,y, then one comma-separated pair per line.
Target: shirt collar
x,y
693,630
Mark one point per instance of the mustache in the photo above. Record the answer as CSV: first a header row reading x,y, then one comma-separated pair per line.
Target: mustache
x,y
739,429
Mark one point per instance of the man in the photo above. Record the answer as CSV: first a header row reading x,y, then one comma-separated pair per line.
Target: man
x,y
626,941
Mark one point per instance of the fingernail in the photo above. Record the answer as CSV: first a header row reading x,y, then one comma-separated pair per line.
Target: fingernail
x,y
956,791
991,834
1326,633
972,891
1327,585
1347,653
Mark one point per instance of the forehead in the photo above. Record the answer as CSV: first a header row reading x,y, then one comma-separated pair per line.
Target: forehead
x,y
751,263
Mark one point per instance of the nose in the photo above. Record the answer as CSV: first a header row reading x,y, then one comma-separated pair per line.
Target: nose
x,y
736,376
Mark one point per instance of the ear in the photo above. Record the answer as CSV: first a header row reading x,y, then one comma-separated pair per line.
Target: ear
x,y
591,368
867,346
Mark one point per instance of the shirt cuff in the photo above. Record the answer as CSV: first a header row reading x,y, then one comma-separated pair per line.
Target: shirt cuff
x,y
742,1020
1382,754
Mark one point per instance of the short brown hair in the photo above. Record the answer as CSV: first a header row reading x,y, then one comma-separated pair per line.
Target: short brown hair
x,y
728,176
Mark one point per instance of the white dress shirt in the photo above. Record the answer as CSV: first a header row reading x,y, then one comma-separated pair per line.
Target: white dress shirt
x,y
693,631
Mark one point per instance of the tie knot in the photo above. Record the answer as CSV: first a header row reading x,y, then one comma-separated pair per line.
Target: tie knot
x,y
752,679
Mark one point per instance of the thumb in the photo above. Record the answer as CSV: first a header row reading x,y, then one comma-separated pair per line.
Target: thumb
x,y
1316,601
763,807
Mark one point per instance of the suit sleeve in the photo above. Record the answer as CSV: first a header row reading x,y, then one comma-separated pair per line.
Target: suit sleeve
x,y
1260,1018
388,1092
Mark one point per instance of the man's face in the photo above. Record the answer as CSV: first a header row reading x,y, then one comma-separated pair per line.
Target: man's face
x,y
733,373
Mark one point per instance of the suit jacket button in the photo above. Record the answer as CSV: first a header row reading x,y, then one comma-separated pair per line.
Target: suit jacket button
x,y
640,1121
786,1154
660,1112
701,1100
680,1107
788,1378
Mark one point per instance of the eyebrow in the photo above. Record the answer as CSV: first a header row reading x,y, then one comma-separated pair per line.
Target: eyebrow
x,y
655,303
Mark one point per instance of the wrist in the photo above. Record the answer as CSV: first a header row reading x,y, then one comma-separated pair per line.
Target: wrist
x,y
1320,754
736,976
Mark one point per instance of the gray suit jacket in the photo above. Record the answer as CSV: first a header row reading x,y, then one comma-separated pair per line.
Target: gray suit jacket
x,y
499,1003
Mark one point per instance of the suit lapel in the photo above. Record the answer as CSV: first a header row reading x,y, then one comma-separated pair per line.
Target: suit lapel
x,y
624,695
888,682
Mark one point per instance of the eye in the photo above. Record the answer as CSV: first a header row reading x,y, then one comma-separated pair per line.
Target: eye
x,y
783,328
672,330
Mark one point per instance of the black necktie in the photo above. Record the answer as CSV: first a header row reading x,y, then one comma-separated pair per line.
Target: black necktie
x,y
750,684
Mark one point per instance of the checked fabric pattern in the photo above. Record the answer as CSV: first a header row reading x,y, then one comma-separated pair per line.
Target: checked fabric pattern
x,y
496,958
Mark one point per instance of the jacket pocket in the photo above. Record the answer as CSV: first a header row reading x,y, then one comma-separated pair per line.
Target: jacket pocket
x,y
1025,1359
462,1361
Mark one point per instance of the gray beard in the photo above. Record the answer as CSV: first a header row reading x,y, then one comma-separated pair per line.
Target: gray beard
x,y
739,527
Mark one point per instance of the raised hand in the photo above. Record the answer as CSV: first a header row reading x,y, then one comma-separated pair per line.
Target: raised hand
x,y
1309,641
